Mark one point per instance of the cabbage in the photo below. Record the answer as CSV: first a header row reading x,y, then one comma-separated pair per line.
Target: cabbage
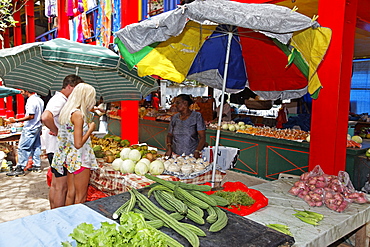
x,y
128,166
241,123
141,169
156,167
357,139
116,164
231,127
124,153
146,161
134,155
225,126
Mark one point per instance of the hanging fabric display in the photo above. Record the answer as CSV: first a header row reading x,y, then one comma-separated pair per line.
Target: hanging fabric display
x,y
105,23
116,16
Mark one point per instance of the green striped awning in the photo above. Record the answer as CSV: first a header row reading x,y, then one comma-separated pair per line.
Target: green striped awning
x,y
42,66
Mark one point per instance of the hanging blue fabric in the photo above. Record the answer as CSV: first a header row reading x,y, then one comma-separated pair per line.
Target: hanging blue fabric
x,y
116,16
144,14
169,5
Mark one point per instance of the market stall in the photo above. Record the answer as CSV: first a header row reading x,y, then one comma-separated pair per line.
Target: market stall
x,y
260,156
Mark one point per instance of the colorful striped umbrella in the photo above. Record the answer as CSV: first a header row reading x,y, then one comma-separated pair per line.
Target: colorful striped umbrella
x,y
41,66
228,45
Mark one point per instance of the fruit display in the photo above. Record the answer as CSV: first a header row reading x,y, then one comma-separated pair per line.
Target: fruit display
x,y
109,145
364,132
288,134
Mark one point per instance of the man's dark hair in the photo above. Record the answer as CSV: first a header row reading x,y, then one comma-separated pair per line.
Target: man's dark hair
x,y
71,80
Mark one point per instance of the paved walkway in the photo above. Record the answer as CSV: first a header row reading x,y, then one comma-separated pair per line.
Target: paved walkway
x,y
24,195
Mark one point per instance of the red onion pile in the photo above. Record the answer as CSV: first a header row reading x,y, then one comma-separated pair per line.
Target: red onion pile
x,y
317,188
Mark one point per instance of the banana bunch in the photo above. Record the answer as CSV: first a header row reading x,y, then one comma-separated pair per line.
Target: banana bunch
x,y
280,228
309,217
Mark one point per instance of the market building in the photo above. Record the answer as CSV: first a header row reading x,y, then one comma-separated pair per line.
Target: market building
x,y
95,23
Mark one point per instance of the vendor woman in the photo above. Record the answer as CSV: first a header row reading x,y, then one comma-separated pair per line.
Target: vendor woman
x,y
187,131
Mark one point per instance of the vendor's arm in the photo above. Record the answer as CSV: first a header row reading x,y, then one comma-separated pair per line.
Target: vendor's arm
x,y
47,119
201,143
16,120
169,145
79,137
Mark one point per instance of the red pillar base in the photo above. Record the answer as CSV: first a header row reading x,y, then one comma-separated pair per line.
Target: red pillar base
x,y
130,121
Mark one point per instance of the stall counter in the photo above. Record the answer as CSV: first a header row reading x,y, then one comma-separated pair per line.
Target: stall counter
x,y
333,227
260,156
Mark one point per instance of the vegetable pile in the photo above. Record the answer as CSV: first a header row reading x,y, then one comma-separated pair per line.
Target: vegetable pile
x,y
309,217
132,231
335,192
181,200
280,228
132,161
236,198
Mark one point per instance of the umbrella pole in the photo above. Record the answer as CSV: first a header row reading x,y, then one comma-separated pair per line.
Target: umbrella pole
x,y
218,132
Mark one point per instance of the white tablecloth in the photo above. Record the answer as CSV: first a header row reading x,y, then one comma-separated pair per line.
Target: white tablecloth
x,y
48,228
281,209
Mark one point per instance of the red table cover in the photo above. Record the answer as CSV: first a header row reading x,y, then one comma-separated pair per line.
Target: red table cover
x,y
261,200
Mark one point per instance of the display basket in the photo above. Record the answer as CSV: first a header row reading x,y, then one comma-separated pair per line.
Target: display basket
x,y
258,104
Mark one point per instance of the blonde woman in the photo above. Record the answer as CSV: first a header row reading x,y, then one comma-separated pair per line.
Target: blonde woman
x,y
74,144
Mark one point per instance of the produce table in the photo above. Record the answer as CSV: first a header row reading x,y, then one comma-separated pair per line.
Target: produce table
x,y
333,227
239,231
259,156
114,182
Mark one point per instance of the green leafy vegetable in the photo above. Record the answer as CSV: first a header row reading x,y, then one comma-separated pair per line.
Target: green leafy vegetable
x,y
133,231
236,198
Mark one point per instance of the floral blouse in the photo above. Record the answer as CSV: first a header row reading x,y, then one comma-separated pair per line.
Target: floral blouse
x,y
69,156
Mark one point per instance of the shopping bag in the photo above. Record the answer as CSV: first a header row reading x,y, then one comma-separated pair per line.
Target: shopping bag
x,y
226,159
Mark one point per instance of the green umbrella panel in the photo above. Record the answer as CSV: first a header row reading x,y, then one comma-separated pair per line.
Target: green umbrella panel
x,y
42,66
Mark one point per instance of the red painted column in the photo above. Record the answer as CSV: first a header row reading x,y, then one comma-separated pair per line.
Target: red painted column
x,y
2,103
20,106
30,22
329,120
9,107
129,109
129,10
63,27
130,121
6,38
17,30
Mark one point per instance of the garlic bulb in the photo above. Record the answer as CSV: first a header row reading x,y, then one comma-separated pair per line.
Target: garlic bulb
x,y
199,167
166,164
187,169
173,168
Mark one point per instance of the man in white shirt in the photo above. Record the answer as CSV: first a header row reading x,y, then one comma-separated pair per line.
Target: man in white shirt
x,y
58,189
29,144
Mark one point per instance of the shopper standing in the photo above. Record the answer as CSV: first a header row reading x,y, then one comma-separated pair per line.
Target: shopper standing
x,y
58,188
29,144
74,144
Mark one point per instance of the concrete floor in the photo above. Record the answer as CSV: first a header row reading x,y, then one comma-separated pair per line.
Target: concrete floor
x,y
23,195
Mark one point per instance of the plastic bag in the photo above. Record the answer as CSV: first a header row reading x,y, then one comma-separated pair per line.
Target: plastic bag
x,y
335,201
261,200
